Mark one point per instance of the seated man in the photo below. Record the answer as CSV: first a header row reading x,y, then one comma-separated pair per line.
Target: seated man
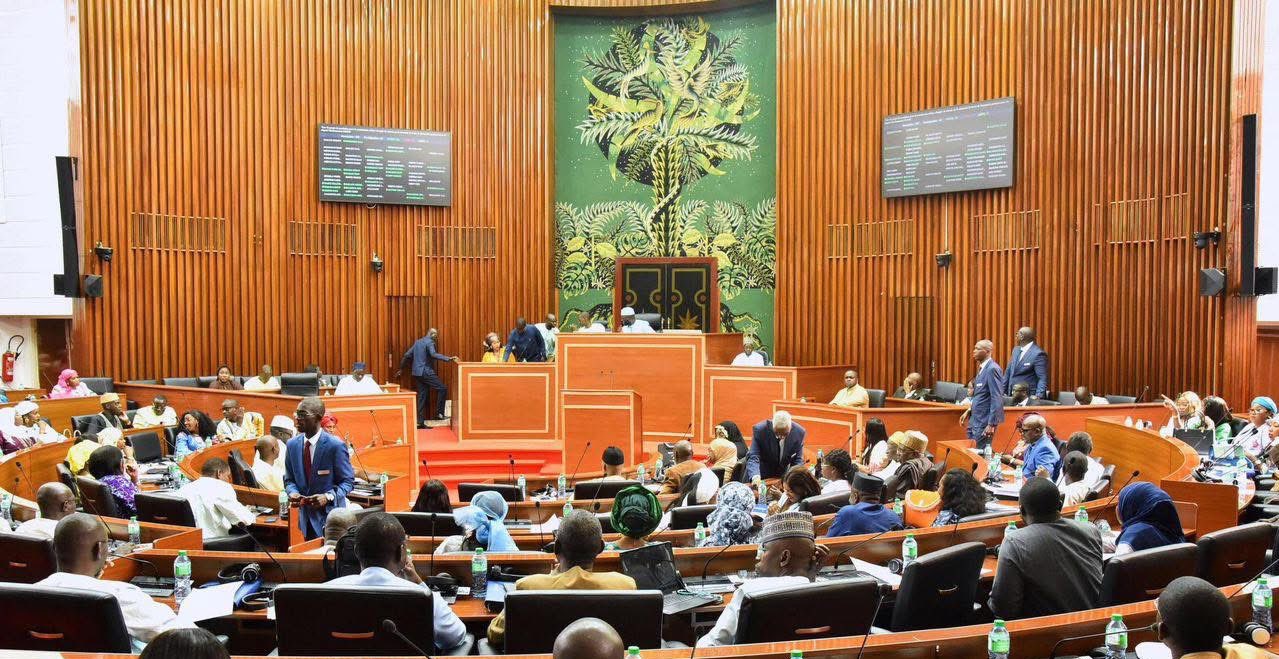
x,y
1194,619
111,415
1074,491
156,415
865,514
776,445
213,501
1085,397
268,468
359,382
1021,395
578,542
684,465
264,381
613,461
633,325
238,424
587,325
55,501
853,394
381,546
791,558
1042,458
588,638
912,388
1082,442
912,446
1050,566
748,356
80,544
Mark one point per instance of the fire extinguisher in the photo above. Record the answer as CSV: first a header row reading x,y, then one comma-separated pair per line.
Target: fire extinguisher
x,y
11,357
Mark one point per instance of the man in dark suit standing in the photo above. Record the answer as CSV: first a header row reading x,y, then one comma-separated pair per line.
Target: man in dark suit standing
x,y
1029,364
423,355
317,469
776,445
987,407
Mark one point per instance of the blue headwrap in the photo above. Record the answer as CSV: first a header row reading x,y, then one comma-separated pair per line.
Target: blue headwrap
x,y
1266,402
484,516
1149,517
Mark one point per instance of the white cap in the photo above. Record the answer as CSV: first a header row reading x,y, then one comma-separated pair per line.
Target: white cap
x,y
627,311
283,422
25,407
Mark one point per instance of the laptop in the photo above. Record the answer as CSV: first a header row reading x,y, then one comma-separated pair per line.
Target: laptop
x,y
1200,440
653,568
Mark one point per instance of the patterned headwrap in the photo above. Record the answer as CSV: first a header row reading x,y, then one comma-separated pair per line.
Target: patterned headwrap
x,y
731,521
636,512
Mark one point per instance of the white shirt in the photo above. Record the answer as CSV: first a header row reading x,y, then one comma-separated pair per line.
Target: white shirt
x,y
756,358
146,417
144,617
449,630
594,328
246,429
1095,470
888,470
1253,438
1099,400
214,506
550,337
39,527
1074,494
640,326
269,475
879,454
349,386
725,629
837,485
255,383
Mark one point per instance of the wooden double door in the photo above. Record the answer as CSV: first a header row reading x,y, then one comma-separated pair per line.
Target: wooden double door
x,y
684,292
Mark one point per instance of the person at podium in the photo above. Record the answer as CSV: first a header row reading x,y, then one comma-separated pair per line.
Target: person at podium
x,y
588,325
776,445
633,325
749,356
525,342
853,394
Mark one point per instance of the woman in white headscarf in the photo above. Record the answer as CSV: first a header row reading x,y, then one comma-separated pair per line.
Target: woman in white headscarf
x,y
482,525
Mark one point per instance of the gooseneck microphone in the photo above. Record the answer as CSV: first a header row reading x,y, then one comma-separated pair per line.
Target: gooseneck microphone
x,y
511,459
428,469
25,477
573,479
1053,655
436,545
859,544
712,558
883,588
377,427
1135,473
155,572
356,454
389,627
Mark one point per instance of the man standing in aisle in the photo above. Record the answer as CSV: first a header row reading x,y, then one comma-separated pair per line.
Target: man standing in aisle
x,y
317,471
987,408
1028,364
422,356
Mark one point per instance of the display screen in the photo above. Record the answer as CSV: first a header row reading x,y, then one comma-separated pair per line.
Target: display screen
x,y
385,166
951,149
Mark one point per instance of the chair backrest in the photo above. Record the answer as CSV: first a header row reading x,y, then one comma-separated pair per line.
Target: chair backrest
x,y
739,472
688,490
163,509
1067,398
653,319
1008,401
1098,490
80,422
719,475
687,517
147,446
182,382
1188,515
535,617
96,498
331,380
1141,575
467,491
600,489
941,585
205,380
67,478
1120,400
877,397
300,384
241,472
951,392
47,619
314,619
1108,473
99,385
422,524
25,559
932,477
143,381
816,610
606,522
825,504
1231,556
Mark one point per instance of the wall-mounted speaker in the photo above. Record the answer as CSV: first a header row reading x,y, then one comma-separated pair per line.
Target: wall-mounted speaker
x,y
1212,281
1248,208
1264,281
92,286
67,284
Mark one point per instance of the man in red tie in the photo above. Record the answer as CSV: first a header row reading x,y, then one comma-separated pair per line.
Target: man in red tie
x,y
317,469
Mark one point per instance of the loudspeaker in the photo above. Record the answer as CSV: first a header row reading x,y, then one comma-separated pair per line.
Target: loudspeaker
x,y
1212,281
1248,208
93,285
67,284
1265,281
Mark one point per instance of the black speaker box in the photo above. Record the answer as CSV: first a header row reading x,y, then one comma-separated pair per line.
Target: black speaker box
x,y
1212,281
1264,281
92,286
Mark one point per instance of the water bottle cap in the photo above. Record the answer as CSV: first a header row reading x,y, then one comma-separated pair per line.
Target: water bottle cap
x,y
634,649
479,551
999,623
182,553
1115,617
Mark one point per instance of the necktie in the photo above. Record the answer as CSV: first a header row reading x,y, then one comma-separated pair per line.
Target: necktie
x,y
306,460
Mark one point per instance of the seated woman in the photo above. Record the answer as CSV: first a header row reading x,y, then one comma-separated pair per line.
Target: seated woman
x,y
70,386
1074,487
493,350
1148,517
726,449
961,496
838,471
194,427
108,466
731,522
915,464
797,484
636,513
482,527
1187,414
433,498
1254,437
875,457
1218,412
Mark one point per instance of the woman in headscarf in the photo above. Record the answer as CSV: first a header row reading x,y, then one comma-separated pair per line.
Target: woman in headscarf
x,y
731,522
724,452
1254,437
13,436
70,386
1149,519
482,525
636,513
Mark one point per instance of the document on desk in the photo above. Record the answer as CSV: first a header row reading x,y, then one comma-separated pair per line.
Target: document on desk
x,y
878,571
549,526
211,602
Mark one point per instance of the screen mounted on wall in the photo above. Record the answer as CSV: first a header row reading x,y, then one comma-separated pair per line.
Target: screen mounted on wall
x,y
950,149
385,165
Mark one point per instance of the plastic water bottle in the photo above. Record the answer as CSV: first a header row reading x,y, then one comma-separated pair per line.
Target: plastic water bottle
x,y
993,466
6,510
1128,421
382,481
135,531
639,474
1104,527
181,577
208,442
284,503
910,550
657,467
897,507
817,466
1262,601
699,533
998,642
763,490
1116,637
796,654
1008,530
632,652
479,574
561,485
1081,515
568,508
522,483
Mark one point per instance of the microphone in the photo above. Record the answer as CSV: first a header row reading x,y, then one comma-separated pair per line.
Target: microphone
x,y
378,428
874,614
25,477
511,458
1135,473
358,461
573,479
155,572
858,544
1144,391
431,568
712,558
389,627
245,528
1053,655
428,469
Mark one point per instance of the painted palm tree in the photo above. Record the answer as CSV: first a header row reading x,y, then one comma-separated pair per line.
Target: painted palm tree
x,y
667,105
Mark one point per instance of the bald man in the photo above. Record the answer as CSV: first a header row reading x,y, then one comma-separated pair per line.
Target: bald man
x,y
80,543
268,468
588,638
55,501
987,408
683,467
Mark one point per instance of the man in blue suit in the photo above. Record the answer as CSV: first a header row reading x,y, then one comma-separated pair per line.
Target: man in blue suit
x,y
987,408
776,446
423,355
317,469
1029,364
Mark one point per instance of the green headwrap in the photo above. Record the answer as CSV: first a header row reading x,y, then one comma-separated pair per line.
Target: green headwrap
x,y
636,512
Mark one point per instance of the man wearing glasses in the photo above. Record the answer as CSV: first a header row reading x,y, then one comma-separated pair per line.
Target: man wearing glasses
x,y
1041,451
317,469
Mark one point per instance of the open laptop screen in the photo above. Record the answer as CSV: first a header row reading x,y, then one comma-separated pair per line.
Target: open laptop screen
x,y
652,567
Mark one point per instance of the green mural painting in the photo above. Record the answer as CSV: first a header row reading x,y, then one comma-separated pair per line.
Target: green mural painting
x,y
665,146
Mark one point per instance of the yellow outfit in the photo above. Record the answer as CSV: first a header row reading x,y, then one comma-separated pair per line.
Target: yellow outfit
x,y
78,455
574,579
854,397
495,357
1233,651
